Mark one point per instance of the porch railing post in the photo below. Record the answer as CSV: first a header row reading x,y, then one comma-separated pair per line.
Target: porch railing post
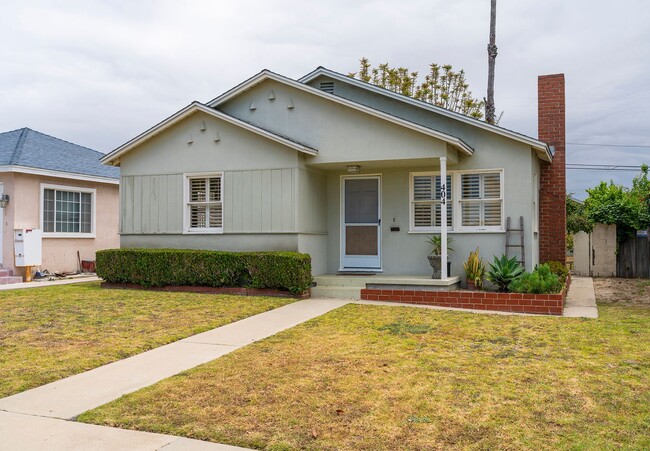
x,y
443,217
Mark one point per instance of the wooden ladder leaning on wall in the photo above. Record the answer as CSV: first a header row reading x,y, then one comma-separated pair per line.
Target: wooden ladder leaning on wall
x,y
509,232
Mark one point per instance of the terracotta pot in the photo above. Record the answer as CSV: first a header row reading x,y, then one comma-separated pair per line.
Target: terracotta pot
x,y
470,285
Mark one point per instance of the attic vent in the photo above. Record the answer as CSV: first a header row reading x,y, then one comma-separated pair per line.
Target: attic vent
x,y
327,86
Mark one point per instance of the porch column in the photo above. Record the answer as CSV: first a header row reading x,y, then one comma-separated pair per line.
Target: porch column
x,y
443,216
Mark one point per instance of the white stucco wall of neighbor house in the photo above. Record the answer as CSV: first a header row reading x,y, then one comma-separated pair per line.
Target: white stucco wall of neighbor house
x,y
275,197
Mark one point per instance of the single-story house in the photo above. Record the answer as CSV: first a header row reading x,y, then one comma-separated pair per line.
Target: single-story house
x,y
350,173
61,189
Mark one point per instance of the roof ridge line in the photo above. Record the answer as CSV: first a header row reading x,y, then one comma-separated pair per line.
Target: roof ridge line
x,y
66,141
18,150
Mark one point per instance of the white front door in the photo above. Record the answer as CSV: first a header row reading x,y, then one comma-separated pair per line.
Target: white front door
x,y
361,223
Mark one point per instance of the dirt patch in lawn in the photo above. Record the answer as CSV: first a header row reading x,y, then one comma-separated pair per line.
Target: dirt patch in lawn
x,y
617,291
52,332
376,377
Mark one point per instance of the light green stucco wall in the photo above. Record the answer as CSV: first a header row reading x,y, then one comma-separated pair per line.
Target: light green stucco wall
x,y
339,133
276,198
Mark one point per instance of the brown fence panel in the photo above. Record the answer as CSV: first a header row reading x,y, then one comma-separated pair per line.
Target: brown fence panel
x,y
633,258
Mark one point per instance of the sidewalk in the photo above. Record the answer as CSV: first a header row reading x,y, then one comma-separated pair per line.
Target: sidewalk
x,y
581,299
49,283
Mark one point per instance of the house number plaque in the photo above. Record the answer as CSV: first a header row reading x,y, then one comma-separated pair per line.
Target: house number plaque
x,y
443,194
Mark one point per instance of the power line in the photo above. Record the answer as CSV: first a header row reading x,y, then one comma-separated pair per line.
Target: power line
x,y
611,145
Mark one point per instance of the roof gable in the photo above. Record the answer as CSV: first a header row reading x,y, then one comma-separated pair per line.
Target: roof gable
x,y
268,75
540,147
113,157
26,148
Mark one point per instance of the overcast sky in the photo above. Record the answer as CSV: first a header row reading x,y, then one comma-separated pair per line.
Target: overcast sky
x,y
99,73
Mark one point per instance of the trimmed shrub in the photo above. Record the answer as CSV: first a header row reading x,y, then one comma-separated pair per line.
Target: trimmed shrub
x,y
540,281
559,269
187,267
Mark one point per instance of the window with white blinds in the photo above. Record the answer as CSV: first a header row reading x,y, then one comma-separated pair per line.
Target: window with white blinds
x,y
425,202
204,211
474,201
481,202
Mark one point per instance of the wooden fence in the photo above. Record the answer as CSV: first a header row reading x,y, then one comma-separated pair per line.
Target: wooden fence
x,y
633,258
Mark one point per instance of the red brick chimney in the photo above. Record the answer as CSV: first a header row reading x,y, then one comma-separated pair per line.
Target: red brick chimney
x,y
552,180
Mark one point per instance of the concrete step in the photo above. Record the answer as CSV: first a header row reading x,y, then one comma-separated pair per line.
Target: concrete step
x,y
5,280
342,281
6,272
336,292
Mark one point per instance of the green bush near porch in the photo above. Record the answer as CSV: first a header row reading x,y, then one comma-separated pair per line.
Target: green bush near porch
x,y
188,267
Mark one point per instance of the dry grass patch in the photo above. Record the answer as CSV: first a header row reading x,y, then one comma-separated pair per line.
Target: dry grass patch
x,y
373,377
52,332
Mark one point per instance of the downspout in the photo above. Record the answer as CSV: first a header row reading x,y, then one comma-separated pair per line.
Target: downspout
x,y
443,217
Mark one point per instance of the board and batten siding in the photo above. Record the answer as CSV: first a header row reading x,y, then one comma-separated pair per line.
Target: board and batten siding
x,y
254,201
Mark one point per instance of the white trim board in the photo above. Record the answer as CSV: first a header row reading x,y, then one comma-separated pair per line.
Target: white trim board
x,y
538,145
59,174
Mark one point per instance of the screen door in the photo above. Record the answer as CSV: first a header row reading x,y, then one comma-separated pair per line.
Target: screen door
x,y
361,231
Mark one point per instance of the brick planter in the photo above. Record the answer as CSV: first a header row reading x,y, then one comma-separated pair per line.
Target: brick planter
x,y
548,304
239,291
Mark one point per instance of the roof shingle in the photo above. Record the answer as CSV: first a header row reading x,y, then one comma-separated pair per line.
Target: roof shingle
x,y
32,149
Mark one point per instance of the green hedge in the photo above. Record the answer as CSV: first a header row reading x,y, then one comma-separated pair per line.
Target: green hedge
x,y
158,267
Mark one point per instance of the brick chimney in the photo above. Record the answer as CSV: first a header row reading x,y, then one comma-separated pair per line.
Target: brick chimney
x,y
552,180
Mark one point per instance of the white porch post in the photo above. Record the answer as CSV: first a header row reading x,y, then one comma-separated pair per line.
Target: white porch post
x,y
443,216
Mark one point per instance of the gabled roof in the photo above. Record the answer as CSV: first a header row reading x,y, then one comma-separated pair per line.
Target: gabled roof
x,y
268,75
113,157
541,147
26,150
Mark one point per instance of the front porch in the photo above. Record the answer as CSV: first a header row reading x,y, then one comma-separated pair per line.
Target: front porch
x,y
346,286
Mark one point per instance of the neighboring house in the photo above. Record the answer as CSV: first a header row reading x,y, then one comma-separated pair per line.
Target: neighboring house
x,y
345,171
62,189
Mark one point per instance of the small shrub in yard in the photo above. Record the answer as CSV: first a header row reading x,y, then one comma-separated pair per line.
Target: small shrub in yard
x,y
185,267
540,281
559,269
503,271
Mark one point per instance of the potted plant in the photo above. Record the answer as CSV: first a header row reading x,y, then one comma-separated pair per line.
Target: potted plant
x,y
474,270
435,256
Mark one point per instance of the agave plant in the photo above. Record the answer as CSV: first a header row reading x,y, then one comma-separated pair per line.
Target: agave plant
x,y
503,271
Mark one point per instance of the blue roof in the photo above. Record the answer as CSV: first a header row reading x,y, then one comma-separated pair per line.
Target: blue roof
x,y
29,148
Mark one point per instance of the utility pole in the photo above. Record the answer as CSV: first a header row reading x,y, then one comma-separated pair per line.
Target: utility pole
x,y
492,56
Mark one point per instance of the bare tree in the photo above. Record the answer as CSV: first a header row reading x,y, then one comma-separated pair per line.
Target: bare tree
x,y
492,56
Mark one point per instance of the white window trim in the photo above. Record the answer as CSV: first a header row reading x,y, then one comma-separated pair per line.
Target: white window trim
x,y
76,189
186,195
457,226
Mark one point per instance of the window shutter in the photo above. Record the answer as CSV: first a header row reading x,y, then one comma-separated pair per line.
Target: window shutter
x,y
205,206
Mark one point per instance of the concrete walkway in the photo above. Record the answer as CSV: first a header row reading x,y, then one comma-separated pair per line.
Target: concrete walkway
x,y
33,419
49,283
581,299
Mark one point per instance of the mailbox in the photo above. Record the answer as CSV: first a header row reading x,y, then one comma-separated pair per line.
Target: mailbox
x,y
28,247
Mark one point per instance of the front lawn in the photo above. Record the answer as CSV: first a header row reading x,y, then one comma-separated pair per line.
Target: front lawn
x,y
52,332
374,377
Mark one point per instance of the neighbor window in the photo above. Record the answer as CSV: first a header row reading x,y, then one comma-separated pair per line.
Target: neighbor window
x,y
204,205
481,202
425,202
67,211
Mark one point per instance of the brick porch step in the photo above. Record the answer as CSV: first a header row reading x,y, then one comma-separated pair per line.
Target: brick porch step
x,y
5,280
6,272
